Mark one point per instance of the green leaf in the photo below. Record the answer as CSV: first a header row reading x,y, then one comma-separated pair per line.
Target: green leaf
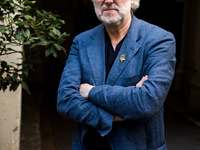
x,y
40,23
14,86
56,31
3,28
62,21
15,10
47,52
57,46
25,87
25,71
11,19
8,77
38,12
28,17
42,43
65,35
18,36
1,73
64,50
27,7
29,3
3,64
4,88
33,45
14,77
51,34
27,33
34,18
53,51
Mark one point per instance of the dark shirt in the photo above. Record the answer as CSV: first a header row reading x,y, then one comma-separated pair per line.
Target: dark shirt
x,y
110,53
93,140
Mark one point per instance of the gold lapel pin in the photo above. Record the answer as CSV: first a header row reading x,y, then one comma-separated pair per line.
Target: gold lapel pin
x,y
122,58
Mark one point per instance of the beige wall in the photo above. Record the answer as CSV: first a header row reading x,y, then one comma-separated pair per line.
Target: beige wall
x,y
10,114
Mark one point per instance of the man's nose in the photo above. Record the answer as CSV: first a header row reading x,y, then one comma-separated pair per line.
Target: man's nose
x,y
108,1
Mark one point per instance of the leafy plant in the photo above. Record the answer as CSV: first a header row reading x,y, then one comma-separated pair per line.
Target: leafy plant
x,y
24,25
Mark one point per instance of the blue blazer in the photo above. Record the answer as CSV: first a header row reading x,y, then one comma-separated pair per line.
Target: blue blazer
x,y
149,50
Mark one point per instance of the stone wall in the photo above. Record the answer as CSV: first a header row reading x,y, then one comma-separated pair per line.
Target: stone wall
x,y
10,113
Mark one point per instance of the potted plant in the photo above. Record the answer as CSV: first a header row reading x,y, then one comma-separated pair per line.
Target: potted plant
x,y
24,30
33,30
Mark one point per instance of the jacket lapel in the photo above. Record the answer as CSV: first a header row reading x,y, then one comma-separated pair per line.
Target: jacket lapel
x,y
129,48
96,55
129,51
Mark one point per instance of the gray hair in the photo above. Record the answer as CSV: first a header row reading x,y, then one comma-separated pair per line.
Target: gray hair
x,y
134,6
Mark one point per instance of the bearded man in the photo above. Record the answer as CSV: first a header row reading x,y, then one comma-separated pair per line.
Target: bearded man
x,y
116,79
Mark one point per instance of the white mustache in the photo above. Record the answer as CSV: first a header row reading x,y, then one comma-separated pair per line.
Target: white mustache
x,y
113,6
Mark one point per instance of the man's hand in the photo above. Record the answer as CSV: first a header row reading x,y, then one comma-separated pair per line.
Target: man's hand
x,y
85,89
116,118
139,84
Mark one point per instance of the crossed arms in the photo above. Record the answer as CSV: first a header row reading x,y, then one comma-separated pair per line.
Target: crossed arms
x,y
98,106
85,89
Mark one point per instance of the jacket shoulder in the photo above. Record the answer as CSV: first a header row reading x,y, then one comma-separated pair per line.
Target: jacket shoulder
x,y
90,33
153,31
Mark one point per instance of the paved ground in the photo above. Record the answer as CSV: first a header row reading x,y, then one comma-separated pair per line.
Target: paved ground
x,y
52,132
181,134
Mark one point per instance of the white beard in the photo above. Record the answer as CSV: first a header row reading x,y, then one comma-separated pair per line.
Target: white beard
x,y
113,19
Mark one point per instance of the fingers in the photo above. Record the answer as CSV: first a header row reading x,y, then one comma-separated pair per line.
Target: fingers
x,y
85,89
139,84
116,118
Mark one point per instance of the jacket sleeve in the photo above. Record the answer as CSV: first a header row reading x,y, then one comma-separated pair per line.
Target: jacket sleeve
x,y
141,103
72,105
